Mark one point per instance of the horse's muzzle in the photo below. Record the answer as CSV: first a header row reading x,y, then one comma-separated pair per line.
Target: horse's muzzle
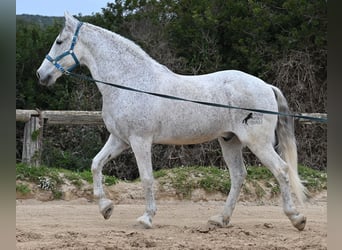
x,y
46,80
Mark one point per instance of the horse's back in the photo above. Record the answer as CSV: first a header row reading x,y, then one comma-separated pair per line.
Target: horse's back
x,y
231,87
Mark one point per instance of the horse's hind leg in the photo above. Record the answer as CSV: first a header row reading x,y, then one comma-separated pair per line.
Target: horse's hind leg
x,y
110,150
142,151
279,168
233,157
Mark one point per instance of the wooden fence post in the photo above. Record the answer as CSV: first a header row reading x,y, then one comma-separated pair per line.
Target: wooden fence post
x,y
32,143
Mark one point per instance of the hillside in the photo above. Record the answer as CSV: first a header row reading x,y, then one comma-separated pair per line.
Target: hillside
x,y
43,21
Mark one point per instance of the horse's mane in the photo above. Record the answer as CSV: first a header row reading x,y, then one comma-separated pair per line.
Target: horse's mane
x,y
123,43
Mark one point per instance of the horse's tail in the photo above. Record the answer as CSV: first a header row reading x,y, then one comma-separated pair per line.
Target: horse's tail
x,y
287,147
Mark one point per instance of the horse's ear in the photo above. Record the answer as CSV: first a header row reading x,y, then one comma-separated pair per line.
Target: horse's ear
x,y
67,15
69,18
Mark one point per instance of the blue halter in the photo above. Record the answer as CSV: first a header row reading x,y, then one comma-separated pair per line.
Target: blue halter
x,y
55,60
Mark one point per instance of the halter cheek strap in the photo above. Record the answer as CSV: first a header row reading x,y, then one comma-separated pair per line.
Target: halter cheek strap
x,y
55,60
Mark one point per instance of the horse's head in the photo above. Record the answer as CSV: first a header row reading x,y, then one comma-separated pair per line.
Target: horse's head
x,y
62,55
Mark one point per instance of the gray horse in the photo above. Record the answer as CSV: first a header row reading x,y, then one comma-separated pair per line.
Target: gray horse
x,y
138,120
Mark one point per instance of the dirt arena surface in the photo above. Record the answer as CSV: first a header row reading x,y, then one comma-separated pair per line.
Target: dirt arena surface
x,y
77,224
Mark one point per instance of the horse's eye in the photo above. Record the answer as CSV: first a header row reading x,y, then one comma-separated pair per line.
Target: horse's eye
x,y
58,42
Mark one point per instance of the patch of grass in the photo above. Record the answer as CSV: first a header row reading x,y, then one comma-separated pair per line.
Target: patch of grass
x,y
215,179
186,179
313,179
87,176
51,179
35,174
246,190
22,188
275,189
57,194
110,180
259,191
183,179
258,173
73,177
160,173
76,180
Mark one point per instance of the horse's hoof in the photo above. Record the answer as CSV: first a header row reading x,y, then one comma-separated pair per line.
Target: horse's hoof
x,y
299,222
218,221
145,221
106,208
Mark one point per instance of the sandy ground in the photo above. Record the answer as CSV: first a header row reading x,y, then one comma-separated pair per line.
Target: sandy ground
x,y
77,224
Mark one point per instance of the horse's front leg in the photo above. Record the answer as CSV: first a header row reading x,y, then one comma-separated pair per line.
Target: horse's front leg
x,y
142,151
110,150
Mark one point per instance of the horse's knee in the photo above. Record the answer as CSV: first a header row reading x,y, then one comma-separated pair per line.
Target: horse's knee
x,y
238,176
94,162
243,172
95,166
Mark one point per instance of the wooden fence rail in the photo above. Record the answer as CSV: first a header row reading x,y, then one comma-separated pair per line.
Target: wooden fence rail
x,y
35,120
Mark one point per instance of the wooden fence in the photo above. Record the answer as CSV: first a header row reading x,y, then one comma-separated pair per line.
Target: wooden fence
x,y
35,121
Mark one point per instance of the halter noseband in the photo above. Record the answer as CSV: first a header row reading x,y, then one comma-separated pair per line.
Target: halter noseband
x,y
55,60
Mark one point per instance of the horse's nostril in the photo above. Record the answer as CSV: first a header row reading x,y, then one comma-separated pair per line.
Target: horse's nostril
x,y
37,74
44,80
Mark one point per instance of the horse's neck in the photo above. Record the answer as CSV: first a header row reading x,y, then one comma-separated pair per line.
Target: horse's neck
x,y
110,57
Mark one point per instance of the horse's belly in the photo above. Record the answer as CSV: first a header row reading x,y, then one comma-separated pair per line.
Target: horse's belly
x,y
184,140
188,133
